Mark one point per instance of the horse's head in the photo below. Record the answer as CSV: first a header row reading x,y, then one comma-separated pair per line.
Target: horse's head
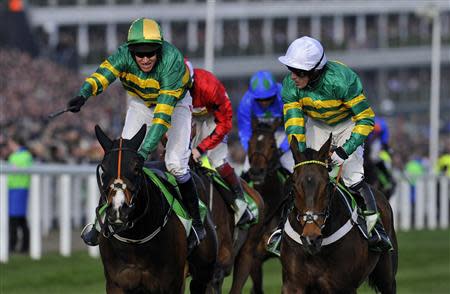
x,y
120,177
262,149
310,182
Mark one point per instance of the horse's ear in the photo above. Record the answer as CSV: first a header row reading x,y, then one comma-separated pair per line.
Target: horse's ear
x,y
298,156
102,138
137,139
325,149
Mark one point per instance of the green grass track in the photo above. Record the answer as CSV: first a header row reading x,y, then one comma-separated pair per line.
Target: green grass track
x,y
424,267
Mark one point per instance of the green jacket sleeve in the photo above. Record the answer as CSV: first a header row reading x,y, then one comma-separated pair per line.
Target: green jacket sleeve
x,y
294,122
351,92
105,74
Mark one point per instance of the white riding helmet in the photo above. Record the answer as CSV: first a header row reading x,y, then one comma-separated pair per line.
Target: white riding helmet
x,y
304,53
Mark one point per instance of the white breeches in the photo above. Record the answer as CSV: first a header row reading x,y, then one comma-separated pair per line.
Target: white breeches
x,y
317,133
204,126
178,135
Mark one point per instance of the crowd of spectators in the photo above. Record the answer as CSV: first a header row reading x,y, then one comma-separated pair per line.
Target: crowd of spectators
x,y
32,88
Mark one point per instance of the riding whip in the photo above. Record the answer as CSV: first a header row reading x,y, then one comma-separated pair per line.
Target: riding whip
x,y
57,113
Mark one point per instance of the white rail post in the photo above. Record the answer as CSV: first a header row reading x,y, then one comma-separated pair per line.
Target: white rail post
x,y
432,202
394,205
405,206
35,217
46,205
444,199
92,202
76,199
4,220
419,210
65,232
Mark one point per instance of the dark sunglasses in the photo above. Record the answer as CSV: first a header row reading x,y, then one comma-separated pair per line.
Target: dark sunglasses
x,y
265,99
299,72
145,54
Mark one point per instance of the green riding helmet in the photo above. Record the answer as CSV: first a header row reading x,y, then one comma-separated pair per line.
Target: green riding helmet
x,y
144,31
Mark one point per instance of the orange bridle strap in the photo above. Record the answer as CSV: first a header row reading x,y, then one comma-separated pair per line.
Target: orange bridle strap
x,y
119,164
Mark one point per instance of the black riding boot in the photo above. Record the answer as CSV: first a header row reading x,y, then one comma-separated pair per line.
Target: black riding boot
x,y
378,239
243,215
190,200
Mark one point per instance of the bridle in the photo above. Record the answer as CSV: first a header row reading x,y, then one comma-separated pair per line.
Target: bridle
x,y
310,217
271,163
116,185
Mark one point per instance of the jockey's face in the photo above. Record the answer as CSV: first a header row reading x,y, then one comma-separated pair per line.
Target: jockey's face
x,y
146,61
264,103
300,81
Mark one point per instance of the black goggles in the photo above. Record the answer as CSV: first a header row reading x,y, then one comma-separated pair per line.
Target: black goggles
x,y
299,72
145,54
265,99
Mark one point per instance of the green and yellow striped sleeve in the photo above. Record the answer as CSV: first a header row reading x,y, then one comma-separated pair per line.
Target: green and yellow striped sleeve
x,y
105,75
363,116
294,122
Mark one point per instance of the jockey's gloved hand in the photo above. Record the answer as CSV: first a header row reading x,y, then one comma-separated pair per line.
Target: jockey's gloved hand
x,y
74,104
338,156
196,154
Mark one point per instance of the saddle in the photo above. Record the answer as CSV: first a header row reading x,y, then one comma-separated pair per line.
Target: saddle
x,y
224,190
166,182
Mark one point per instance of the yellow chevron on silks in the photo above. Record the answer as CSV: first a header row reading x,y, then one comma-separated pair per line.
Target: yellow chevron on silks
x,y
363,130
338,118
106,64
327,114
368,113
147,83
308,101
93,84
161,122
164,108
102,80
292,105
300,138
175,93
143,95
355,101
294,122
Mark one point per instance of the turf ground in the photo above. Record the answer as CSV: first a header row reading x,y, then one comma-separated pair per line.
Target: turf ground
x,y
424,267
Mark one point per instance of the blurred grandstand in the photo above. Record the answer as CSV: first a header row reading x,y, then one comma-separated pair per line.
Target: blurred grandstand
x,y
386,42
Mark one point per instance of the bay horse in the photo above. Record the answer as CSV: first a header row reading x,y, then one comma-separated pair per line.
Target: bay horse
x,y
313,258
143,245
236,245
269,180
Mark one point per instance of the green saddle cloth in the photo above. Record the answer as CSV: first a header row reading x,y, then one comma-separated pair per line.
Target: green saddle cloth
x,y
251,204
177,207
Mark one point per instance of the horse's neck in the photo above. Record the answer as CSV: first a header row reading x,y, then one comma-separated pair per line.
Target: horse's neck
x,y
338,213
152,212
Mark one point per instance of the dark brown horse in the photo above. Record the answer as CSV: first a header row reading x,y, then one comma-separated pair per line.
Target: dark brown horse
x,y
268,179
236,245
144,247
313,260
